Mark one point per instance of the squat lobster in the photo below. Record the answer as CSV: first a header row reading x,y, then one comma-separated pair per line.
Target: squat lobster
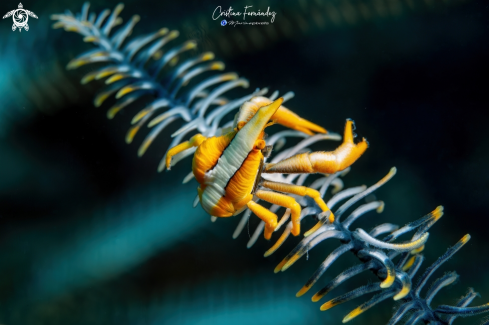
x,y
229,167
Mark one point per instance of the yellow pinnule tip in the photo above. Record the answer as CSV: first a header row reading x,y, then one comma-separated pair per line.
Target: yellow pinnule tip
x,y
290,262
327,305
89,77
97,54
131,134
417,250
136,18
409,263
317,297
401,294
218,66
99,100
229,76
114,78
163,31
354,313
142,149
221,101
124,91
139,116
71,29
208,56
190,45
380,209
158,54
104,74
278,268
302,291
57,25
465,239
155,121
277,244
174,34
173,61
75,63
438,212
119,7
89,39
245,84
113,111
387,282
270,252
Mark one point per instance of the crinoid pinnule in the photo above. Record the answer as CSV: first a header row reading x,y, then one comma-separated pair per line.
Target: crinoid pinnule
x,y
395,264
181,84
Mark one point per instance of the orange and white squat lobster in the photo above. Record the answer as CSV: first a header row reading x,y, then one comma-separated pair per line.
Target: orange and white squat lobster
x,y
229,167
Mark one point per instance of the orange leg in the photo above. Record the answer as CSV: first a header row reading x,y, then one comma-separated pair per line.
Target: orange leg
x,y
266,215
194,141
323,162
284,201
299,190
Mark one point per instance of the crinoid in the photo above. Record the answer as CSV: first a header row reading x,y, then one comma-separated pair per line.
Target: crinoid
x,y
193,91
395,264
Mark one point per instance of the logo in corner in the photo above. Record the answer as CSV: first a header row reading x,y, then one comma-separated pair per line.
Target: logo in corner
x,y
20,17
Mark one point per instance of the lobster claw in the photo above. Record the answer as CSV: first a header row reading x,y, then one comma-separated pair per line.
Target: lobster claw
x,y
251,130
282,116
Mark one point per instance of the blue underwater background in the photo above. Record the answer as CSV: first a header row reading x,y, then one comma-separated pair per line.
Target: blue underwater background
x,y
92,234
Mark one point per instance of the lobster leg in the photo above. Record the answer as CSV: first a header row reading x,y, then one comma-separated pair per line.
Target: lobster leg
x,y
301,191
266,215
194,141
284,201
323,162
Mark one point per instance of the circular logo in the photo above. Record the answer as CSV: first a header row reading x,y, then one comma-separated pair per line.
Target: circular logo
x,y
224,22
20,18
